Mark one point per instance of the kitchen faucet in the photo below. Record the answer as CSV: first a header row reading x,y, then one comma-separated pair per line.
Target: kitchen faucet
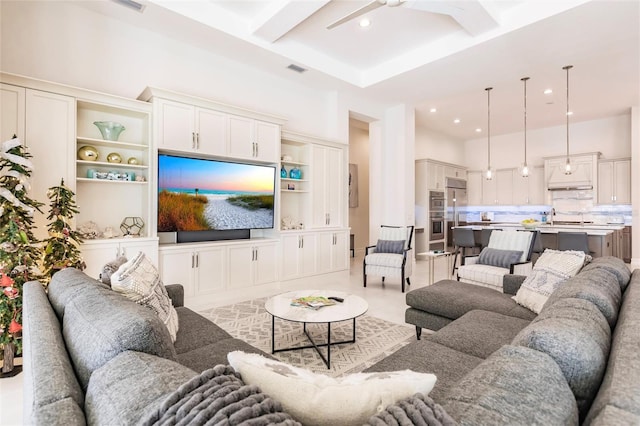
x,y
553,213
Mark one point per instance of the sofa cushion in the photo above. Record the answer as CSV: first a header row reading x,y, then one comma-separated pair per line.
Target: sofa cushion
x,y
208,356
109,268
576,335
317,399
129,384
551,270
139,280
97,329
499,258
452,299
479,333
388,260
425,356
485,275
50,384
67,284
196,331
621,384
614,265
515,385
599,287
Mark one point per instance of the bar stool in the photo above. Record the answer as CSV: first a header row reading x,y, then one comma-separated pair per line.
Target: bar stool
x,y
485,234
573,241
462,239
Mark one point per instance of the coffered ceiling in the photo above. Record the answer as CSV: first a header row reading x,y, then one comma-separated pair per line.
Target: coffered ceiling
x,y
430,53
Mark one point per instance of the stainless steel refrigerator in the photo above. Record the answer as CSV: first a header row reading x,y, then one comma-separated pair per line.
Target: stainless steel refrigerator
x,y
455,198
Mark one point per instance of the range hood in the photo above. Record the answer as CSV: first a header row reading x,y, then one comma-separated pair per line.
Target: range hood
x,y
579,179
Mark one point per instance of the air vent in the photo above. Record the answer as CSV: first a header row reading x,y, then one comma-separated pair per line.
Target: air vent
x,y
131,4
296,68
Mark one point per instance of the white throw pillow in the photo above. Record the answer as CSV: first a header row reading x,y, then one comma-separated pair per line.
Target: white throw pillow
x,y
552,269
139,280
316,399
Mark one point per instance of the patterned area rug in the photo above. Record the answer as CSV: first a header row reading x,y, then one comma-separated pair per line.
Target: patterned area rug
x,y
375,337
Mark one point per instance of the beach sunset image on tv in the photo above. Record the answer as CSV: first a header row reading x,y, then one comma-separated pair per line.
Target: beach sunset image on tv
x,y
198,195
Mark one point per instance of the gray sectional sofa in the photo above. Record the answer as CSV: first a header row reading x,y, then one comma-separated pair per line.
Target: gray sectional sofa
x,y
578,361
91,356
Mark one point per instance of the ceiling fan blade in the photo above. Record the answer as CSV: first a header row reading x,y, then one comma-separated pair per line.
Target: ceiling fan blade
x,y
364,9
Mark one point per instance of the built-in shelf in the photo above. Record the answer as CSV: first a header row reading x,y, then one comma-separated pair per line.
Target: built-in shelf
x,y
112,144
293,180
293,190
293,163
127,182
116,165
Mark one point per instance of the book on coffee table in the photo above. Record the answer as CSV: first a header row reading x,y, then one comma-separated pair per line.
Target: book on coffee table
x,y
312,302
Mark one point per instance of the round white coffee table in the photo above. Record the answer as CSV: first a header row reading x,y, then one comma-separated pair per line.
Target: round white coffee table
x,y
280,307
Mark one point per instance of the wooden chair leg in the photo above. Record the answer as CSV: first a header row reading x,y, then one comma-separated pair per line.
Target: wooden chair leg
x,y
408,282
418,332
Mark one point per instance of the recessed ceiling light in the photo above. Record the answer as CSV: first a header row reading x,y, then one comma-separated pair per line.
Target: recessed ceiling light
x,y
548,91
365,22
433,110
478,130
457,120
570,113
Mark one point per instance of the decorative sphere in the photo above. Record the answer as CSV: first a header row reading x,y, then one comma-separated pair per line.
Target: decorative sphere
x,y
114,157
133,161
88,153
132,225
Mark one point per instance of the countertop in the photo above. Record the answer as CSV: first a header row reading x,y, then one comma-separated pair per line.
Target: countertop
x,y
590,229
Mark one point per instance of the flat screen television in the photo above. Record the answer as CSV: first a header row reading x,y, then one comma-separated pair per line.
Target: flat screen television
x,y
202,199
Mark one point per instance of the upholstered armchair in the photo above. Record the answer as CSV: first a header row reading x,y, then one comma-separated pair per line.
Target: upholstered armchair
x,y
508,252
392,256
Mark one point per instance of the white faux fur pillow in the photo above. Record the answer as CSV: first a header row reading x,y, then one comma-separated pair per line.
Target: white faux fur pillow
x,y
316,399
552,269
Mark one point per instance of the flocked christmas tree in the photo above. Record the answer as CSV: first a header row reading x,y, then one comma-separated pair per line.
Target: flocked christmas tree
x,y
62,248
20,252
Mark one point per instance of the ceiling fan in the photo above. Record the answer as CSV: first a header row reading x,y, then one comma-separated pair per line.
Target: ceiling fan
x,y
365,9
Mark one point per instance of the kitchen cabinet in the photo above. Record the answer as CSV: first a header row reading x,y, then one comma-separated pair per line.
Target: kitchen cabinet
x,y
328,185
614,181
626,244
252,264
333,251
97,253
529,190
12,117
435,176
454,172
474,188
253,139
584,170
504,187
298,255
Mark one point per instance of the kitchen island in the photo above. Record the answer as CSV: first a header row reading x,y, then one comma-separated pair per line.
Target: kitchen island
x,y
601,237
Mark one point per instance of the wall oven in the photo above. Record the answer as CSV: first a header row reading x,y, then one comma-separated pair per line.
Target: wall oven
x,y
436,216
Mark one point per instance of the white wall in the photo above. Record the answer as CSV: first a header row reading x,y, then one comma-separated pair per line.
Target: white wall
x,y
359,155
436,146
611,136
67,43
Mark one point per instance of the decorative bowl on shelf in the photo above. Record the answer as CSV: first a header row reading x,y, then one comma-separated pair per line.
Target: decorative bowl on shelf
x,y
110,130
87,153
530,224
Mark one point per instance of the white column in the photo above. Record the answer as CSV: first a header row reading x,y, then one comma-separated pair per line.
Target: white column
x,y
635,187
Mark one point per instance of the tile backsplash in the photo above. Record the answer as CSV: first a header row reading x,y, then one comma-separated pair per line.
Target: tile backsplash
x,y
565,211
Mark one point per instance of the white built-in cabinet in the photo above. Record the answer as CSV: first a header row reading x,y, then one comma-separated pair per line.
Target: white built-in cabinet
x,y
508,187
437,174
12,111
328,186
614,181
333,251
530,189
252,264
187,124
298,257
474,187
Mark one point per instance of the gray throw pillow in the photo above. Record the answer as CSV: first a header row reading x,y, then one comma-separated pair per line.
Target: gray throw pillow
x,y
390,246
500,258
110,268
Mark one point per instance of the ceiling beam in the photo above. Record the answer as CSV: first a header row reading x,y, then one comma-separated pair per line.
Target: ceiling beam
x,y
283,16
475,16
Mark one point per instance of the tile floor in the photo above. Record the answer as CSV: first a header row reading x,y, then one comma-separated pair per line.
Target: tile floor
x,y
385,301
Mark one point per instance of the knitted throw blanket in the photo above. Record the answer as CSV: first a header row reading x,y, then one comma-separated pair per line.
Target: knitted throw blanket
x,y
416,410
218,396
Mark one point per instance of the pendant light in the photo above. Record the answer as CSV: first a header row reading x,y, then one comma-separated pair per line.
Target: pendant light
x,y
567,166
525,167
489,174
